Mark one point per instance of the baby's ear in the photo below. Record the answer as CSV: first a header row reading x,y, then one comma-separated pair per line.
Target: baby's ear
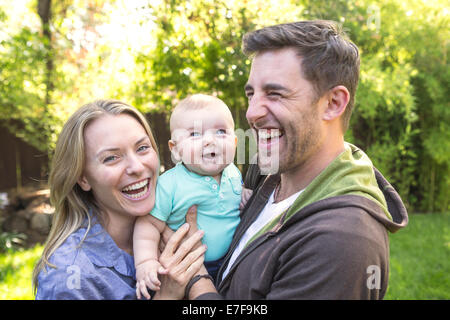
x,y
176,157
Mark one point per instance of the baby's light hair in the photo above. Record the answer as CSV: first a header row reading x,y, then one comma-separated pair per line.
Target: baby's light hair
x,y
195,102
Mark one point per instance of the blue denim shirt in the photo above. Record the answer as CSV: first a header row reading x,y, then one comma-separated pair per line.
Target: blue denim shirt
x,y
97,269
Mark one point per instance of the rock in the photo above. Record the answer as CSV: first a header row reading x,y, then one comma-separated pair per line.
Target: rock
x,y
30,197
16,224
24,214
40,223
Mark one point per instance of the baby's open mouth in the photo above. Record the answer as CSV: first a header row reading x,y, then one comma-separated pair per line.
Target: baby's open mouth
x,y
136,190
210,155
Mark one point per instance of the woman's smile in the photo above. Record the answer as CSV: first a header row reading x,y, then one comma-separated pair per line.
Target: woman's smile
x,y
138,190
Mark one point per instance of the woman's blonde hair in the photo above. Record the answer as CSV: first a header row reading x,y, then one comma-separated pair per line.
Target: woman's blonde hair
x,y
72,204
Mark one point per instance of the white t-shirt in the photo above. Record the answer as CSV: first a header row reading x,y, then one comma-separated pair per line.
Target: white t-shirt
x,y
268,213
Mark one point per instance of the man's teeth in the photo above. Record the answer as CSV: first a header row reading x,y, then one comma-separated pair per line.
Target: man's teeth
x,y
269,134
136,186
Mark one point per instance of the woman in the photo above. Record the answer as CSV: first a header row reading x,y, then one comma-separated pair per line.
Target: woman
x,y
103,176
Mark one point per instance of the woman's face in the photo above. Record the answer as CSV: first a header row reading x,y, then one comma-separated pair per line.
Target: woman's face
x,y
121,165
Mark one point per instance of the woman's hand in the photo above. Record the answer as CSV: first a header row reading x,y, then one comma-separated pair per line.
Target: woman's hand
x,y
182,262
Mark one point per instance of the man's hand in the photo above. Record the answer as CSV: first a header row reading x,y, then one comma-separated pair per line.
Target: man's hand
x,y
245,196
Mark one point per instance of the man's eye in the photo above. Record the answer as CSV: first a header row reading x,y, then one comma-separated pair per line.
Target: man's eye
x,y
195,134
274,94
249,94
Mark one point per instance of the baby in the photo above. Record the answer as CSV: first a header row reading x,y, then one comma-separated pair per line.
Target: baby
x,y
203,145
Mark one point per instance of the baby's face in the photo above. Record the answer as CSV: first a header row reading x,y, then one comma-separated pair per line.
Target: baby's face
x,y
204,140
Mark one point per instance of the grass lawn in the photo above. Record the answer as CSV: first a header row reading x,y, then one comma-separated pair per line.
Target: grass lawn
x,y
16,268
420,259
420,262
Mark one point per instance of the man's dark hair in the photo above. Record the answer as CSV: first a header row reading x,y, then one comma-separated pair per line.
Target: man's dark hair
x,y
328,56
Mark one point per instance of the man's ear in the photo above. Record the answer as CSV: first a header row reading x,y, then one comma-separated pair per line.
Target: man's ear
x,y
84,183
176,157
338,98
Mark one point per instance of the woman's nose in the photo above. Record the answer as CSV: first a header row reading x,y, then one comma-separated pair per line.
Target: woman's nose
x,y
134,165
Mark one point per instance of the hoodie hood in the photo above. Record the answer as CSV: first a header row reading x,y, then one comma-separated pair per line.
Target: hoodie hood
x,y
349,181
352,174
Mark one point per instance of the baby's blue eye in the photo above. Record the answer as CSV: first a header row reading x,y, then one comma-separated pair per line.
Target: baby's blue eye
x,y
221,131
195,134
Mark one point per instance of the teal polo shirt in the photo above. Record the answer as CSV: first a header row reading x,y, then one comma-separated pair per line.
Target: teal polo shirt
x,y
217,205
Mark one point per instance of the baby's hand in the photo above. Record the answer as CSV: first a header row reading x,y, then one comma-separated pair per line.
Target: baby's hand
x,y
147,277
245,196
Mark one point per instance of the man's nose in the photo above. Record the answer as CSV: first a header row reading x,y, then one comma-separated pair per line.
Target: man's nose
x,y
256,110
134,165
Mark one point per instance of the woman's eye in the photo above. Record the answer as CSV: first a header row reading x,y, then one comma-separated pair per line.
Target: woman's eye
x,y
143,148
109,159
195,134
221,131
249,94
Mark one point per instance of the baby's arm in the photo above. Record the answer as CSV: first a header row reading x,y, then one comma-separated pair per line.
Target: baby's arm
x,y
245,196
146,238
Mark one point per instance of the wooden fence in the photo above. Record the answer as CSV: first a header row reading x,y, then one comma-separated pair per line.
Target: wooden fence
x,y
20,163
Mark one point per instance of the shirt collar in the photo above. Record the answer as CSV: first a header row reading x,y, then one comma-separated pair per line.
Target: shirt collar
x,y
103,251
228,171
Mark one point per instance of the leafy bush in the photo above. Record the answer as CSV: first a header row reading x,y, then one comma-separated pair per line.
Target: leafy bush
x,y
11,241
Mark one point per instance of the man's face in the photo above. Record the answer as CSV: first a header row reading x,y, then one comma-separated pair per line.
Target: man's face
x,y
282,111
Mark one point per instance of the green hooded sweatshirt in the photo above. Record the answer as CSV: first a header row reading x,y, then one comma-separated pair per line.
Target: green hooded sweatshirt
x,y
351,173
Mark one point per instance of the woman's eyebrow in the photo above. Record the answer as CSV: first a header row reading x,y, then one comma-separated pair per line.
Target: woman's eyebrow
x,y
142,140
116,148
106,150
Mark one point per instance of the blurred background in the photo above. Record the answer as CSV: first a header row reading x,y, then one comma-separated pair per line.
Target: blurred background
x,y
56,56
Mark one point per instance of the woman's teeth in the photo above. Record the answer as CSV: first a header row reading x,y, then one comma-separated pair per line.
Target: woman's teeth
x,y
136,190
136,185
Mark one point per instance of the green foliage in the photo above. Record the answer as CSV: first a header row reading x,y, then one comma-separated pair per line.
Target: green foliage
x,y
11,241
199,50
16,267
21,86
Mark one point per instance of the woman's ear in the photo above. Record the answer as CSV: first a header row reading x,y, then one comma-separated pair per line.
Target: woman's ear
x,y
84,183
338,98
176,157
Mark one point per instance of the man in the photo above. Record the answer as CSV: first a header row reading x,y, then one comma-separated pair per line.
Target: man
x,y
317,228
